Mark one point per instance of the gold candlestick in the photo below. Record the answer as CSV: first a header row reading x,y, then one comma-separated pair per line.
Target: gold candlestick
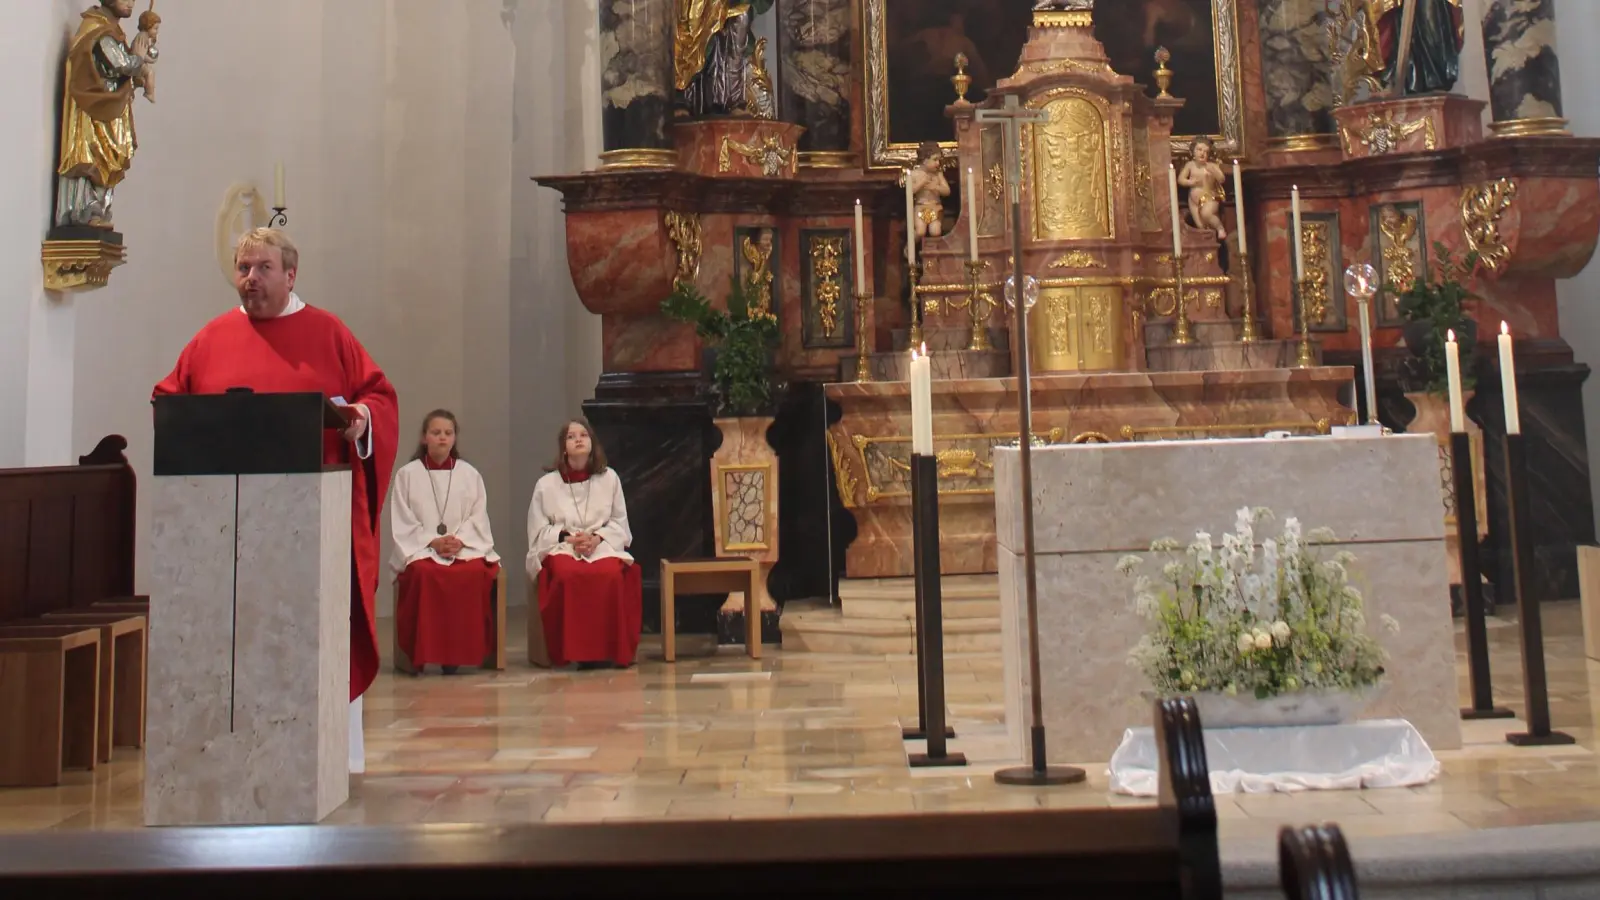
x,y
1307,357
1247,332
979,304
912,272
1180,325
863,339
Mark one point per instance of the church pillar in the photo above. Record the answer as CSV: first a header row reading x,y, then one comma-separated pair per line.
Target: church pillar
x,y
814,40
1519,43
1294,66
636,83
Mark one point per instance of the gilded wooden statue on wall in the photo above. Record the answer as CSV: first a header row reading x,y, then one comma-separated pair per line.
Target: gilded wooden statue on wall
x,y
712,46
98,142
1437,37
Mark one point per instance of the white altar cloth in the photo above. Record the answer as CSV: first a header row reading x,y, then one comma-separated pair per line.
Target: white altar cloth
x,y
1376,754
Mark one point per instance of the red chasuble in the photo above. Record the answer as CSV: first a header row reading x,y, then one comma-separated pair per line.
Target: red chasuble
x,y
311,350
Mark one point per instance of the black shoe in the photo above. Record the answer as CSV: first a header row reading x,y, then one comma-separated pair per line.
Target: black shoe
x,y
591,666
449,670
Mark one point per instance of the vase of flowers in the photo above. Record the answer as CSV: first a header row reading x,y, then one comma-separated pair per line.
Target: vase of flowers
x,y
1268,634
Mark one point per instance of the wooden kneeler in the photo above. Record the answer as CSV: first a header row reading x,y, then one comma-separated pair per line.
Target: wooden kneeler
x,y
496,660
124,664
49,704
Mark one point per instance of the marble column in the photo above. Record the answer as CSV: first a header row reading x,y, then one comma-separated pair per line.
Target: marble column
x,y
814,38
1519,44
636,83
1294,71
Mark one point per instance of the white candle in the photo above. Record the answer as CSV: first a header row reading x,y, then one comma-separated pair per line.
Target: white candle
x,y
1508,381
911,223
1452,368
921,403
861,253
972,213
1366,362
1296,239
1177,222
1238,206
277,196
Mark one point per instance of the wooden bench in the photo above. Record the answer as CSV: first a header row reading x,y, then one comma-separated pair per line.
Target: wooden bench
x,y
710,576
1314,864
124,655
49,704
496,660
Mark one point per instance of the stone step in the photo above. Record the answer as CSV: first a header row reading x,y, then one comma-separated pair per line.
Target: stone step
x,y
952,587
827,630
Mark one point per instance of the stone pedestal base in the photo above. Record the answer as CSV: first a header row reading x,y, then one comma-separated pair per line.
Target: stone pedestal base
x,y
249,655
1093,504
1409,125
739,147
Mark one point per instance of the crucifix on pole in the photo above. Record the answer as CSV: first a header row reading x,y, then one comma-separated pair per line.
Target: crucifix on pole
x,y
1011,118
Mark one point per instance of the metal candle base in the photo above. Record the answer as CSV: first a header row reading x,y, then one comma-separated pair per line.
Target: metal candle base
x,y
1472,583
1536,689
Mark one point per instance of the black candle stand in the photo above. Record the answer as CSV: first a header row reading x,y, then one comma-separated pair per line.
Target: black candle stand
x,y
1472,583
930,616
1536,690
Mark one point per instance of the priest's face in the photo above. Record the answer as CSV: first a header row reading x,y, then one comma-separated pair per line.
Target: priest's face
x,y
262,281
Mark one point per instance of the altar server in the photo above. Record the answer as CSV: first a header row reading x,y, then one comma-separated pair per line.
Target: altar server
x,y
273,342
443,553
578,537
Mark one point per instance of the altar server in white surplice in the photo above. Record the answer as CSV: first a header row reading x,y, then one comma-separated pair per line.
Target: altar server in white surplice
x,y
578,537
442,553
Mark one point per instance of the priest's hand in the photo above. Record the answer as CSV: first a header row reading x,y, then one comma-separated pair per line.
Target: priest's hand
x,y
358,423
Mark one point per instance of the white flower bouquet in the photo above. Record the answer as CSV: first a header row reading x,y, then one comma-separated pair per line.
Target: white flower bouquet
x,y
1259,621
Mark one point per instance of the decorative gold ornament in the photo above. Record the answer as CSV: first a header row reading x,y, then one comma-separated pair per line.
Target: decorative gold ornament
x,y
1247,330
1302,143
685,232
1163,74
829,159
1070,167
82,265
639,158
844,480
1482,205
863,339
1532,127
886,472
825,254
1134,433
1399,234
1383,133
771,155
961,80
1181,334
1073,18
1077,259
758,277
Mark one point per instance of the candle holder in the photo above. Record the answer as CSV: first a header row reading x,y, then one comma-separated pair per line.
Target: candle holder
x,y
1307,357
280,217
1535,687
1181,335
913,275
1472,582
1247,331
930,617
980,305
863,339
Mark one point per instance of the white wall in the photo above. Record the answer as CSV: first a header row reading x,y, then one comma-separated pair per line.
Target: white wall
x,y
409,130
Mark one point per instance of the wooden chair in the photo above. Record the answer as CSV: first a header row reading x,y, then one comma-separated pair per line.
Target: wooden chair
x,y
710,576
49,704
538,650
496,660
124,664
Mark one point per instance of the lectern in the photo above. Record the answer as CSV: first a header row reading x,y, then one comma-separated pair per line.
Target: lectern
x,y
249,672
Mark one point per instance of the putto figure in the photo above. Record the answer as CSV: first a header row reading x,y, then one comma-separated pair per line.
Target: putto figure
x,y
98,141
1204,179
929,187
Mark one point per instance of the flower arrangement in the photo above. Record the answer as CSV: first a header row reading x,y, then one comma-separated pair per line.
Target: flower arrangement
x,y
1238,619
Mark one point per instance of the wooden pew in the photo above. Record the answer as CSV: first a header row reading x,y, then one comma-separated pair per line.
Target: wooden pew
x,y
1314,864
1165,852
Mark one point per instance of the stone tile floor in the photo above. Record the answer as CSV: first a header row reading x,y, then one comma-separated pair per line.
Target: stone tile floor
x,y
818,735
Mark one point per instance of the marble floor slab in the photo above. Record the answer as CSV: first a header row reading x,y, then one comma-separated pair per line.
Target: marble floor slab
x,y
819,735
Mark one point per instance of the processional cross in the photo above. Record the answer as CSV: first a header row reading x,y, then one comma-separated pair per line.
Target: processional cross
x,y
1011,118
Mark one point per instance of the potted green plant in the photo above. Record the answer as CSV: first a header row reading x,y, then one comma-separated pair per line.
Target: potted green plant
x,y
1432,305
739,347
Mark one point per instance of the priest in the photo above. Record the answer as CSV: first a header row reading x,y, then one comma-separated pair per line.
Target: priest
x,y
274,343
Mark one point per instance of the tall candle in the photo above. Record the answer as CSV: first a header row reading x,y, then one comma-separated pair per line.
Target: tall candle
x,y
861,253
1177,230
921,403
277,195
1508,381
1366,362
1296,239
1238,206
972,214
1452,368
911,223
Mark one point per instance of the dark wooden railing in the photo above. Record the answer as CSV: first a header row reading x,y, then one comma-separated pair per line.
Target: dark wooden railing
x,y
1314,864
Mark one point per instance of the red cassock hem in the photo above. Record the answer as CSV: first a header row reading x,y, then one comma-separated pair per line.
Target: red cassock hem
x,y
441,613
590,610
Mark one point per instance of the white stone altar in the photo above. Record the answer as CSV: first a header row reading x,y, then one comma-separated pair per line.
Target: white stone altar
x,y
249,682
1093,503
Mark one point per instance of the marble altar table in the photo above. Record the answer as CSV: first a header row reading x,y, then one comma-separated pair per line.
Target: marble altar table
x,y
1093,503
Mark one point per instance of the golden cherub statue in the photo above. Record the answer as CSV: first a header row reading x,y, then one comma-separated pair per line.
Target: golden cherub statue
x,y
929,187
1204,179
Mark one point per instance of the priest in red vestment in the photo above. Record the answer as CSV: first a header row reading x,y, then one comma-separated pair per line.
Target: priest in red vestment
x,y
589,586
442,554
274,343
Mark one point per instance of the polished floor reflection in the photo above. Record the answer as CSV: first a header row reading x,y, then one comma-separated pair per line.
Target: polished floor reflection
x,y
819,735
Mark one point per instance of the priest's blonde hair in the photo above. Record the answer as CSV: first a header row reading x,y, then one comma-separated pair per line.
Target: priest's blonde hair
x,y
269,237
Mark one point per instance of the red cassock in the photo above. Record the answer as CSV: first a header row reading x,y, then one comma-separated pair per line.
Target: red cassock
x,y
311,350
441,613
590,608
